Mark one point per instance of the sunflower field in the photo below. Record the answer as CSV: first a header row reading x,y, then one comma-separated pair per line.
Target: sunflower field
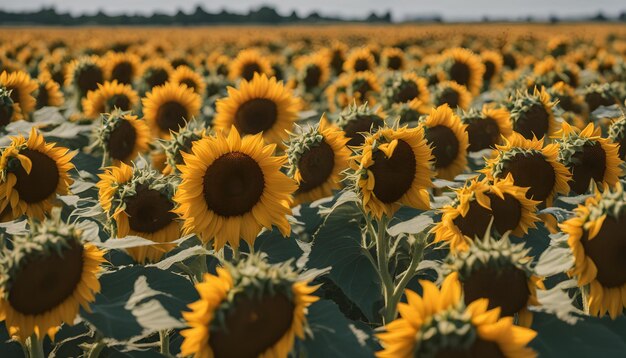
x,y
357,191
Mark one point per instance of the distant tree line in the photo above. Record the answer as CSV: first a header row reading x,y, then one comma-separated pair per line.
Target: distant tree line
x,y
263,15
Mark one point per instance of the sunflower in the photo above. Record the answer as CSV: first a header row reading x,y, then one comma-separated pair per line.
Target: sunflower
x,y
169,107
360,60
463,67
486,128
479,203
533,115
393,168
218,64
231,188
313,71
358,121
48,94
617,134
440,324
392,58
9,110
262,105
122,136
336,54
317,157
22,89
47,276
360,87
568,99
180,142
452,94
107,97
598,95
553,71
447,136
254,302
190,78
155,72
405,88
32,173
493,65
138,202
595,238
247,63
84,74
122,67
532,165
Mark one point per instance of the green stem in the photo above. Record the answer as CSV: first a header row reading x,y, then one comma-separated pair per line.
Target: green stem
x,y
35,347
165,342
585,298
95,350
235,254
383,268
418,255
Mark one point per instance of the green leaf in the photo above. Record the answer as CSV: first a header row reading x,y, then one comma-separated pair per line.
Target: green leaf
x,y
277,247
337,244
333,334
134,298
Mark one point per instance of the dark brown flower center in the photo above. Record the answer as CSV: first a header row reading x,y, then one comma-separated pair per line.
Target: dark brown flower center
x,y
444,144
337,62
254,326
394,63
509,60
118,101
122,141
45,282
483,133
532,171
15,94
256,116
177,62
534,121
362,124
595,100
407,92
42,96
123,72
448,96
157,77
312,77
393,176
149,210
171,116
506,288
233,184
506,214
490,70
567,103
89,78
316,166
361,65
249,69
479,349
622,146
607,251
190,84
460,73
42,180
361,88
6,112
588,164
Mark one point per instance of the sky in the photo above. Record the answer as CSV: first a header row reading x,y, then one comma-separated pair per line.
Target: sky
x,y
401,9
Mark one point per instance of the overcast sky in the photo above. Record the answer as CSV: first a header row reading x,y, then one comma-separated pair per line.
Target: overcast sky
x,y
401,9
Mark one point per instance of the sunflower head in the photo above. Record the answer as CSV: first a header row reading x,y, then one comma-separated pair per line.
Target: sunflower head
x,y
589,157
532,165
122,67
313,71
122,136
405,88
393,168
463,67
501,272
49,258
486,127
440,324
241,189
393,58
597,95
21,89
262,105
180,142
84,74
32,173
447,136
9,110
48,93
595,238
452,94
190,78
170,107
617,133
485,208
255,302
138,202
109,96
155,72
248,63
532,115
493,62
567,98
360,60
357,121
317,157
